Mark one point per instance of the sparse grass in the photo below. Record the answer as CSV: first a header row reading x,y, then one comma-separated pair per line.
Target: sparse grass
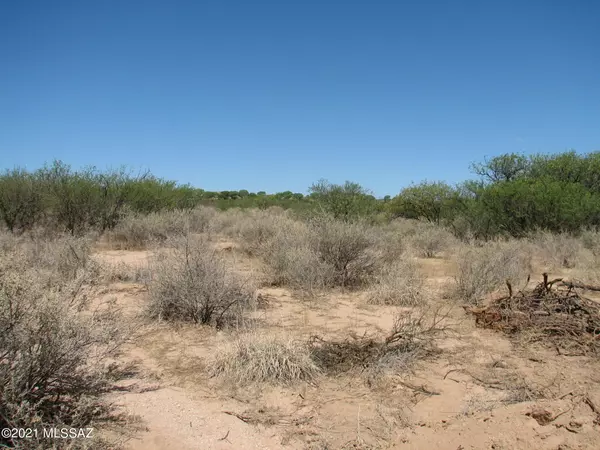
x,y
399,283
482,270
265,358
191,282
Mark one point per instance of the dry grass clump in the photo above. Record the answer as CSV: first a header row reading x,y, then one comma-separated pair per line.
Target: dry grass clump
x,y
140,231
191,282
482,270
265,358
431,240
412,337
54,353
400,283
558,250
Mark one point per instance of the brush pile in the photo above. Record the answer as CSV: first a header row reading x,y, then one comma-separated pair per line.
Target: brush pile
x,y
553,313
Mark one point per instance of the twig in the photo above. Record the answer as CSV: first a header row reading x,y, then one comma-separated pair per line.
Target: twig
x,y
244,419
224,438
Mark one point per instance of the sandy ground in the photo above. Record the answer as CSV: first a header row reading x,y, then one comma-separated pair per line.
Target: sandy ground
x,y
480,392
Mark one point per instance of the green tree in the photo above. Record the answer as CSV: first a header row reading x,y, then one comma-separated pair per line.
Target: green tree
x,y
506,167
346,202
432,201
21,204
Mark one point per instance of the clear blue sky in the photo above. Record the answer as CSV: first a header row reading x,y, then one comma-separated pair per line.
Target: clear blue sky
x,y
273,95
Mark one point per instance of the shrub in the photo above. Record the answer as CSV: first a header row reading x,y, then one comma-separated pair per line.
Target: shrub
x,y
299,267
201,218
431,240
192,283
258,228
398,284
557,250
265,358
347,248
137,232
590,239
21,204
485,269
62,258
54,355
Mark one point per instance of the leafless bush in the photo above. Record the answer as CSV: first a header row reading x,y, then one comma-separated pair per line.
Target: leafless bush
x,y
193,283
347,247
227,222
54,355
400,283
259,227
139,231
430,240
558,250
201,219
294,261
61,258
265,358
481,270
300,268
590,239
390,245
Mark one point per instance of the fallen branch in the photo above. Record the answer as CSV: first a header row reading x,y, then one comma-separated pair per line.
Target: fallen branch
x,y
577,284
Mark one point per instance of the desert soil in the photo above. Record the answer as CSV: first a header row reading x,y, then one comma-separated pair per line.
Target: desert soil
x,y
481,391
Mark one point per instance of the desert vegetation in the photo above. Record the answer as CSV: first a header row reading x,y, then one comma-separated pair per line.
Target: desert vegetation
x,y
335,294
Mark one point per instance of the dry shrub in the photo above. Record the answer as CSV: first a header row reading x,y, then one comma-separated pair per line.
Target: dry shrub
x,y
55,353
293,260
390,245
558,250
140,231
431,240
412,337
482,270
191,282
200,219
259,227
400,283
61,258
346,247
404,227
227,222
265,358
590,239
299,267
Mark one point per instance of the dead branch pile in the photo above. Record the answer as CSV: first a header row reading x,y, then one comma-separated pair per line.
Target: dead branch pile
x,y
553,312
412,336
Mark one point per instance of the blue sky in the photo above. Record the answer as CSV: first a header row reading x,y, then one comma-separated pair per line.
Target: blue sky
x,y
273,95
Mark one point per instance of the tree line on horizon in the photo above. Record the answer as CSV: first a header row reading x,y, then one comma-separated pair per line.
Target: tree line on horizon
x,y
512,195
